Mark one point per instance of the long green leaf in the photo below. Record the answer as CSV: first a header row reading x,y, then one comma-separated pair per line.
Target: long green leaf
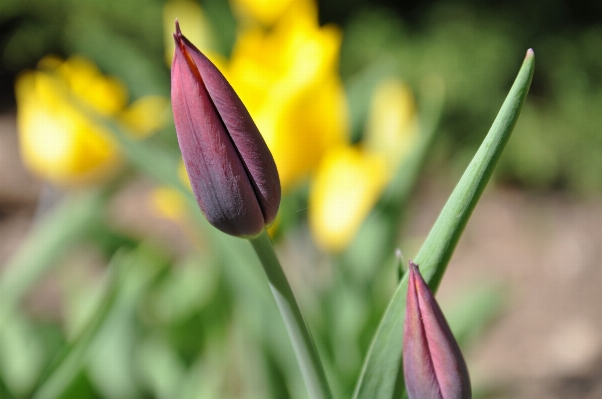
x,y
382,364
129,276
49,239
67,363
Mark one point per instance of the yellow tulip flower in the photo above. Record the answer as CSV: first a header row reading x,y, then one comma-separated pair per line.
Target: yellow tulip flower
x,y
286,76
351,179
392,124
264,12
345,189
288,80
57,141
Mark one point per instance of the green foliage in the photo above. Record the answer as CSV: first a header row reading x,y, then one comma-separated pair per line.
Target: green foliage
x,y
204,324
471,46
382,363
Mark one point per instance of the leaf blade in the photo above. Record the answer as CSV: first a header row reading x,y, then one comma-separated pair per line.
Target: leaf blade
x,y
382,364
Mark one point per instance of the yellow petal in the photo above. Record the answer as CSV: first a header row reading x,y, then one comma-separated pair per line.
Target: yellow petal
x,y
193,22
63,148
345,189
105,95
58,142
288,79
264,12
255,65
306,125
392,125
146,115
169,203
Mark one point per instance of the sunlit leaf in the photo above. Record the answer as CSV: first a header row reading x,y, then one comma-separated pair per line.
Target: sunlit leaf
x,y
381,367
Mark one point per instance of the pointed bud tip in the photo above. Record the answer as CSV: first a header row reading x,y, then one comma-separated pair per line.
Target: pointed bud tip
x,y
433,364
530,53
177,34
178,37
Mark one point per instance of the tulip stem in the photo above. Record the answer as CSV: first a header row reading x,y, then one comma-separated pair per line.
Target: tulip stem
x,y
303,345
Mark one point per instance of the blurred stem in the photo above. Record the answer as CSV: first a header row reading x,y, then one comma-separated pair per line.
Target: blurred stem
x,y
303,345
66,364
4,391
49,239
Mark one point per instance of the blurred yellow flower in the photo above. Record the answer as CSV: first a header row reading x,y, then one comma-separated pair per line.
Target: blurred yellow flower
x,y
169,203
286,76
351,179
192,17
57,141
288,79
392,124
264,12
346,187
145,115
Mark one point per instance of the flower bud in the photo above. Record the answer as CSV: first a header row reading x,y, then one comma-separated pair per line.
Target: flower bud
x,y
433,365
231,170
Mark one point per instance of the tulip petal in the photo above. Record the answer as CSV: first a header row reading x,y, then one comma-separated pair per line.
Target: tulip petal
x,y
248,142
218,177
432,362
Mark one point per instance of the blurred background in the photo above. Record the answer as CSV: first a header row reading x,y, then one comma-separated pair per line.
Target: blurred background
x,y
112,286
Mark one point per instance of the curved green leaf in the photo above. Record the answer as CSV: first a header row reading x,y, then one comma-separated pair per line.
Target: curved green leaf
x,y
381,368
56,231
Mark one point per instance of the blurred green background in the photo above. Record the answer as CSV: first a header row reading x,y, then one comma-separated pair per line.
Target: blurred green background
x,y
472,45
136,307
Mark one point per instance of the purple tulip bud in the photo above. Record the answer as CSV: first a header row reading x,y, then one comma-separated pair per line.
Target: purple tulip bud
x,y
433,365
231,170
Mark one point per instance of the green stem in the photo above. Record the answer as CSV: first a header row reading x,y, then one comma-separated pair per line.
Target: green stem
x,y
69,361
303,345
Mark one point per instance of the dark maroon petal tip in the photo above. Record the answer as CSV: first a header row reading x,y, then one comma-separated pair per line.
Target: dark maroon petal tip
x,y
177,35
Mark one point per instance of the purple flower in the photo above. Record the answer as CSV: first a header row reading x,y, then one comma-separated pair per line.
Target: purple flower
x,y
231,170
433,365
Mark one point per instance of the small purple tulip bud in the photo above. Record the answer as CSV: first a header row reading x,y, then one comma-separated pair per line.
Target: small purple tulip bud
x,y
231,170
433,365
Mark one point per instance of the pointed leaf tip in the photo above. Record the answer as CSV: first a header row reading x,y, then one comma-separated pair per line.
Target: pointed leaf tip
x,y
530,53
380,370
